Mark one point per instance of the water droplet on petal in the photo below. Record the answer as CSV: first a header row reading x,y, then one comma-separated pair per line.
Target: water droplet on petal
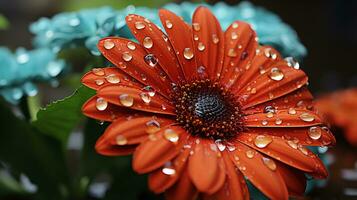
x,y
145,97
262,141
215,38
278,121
108,44
168,24
292,111
127,56
188,53
307,117
201,46
201,69
269,163
139,25
232,53
269,109
112,78
292,144
147,42
234,35
315,132
249,154
148,89
99,82
168,169
196,26
264,122
163,107
292,62
131,46
121,140
276,74
303,150
98,71
235,25
244,55
101,104
152,126
126,100
220,145
171,135
151,60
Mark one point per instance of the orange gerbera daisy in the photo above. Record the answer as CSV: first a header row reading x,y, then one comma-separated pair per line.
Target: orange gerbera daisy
x,y
340,109
205,110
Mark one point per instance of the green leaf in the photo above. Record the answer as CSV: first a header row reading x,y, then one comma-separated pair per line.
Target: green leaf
x,y
59,118
38,156
3,22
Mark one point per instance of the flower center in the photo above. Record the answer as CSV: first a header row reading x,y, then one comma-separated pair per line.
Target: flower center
x,y
207,110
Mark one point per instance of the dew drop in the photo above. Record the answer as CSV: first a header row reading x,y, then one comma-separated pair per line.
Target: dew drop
x,y
131,46
139,25
195,37
215,38
148,89
127,56
151,60
126,100
163,107
121,140
307,117
264,122
201,46
101,104
292,62
152,126
269,109
145,97
232,53
220,145
292,111
278,121
171,135
201,69
235,25
112,78
244,55
99,82
168,170
147,42
234,35
269,163
168,24
188,53
292,144
249,154
108,44
98,71
276,74
261,141
315,132
303,150
196,26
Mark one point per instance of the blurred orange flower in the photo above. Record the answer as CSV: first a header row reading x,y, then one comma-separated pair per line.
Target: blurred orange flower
x,y
203,110
340,109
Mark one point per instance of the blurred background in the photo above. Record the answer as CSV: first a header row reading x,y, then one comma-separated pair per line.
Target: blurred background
x,y
327,28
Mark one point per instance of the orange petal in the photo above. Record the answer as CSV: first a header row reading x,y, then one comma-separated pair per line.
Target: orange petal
x,y
264,59
183,189
306,136
180,36
209,43
278,81
133,130
136,98
286,151
239,50
301,99
97,108
283,118
234,187
205,168
294,179
104,148
120,53
100,77
263,176
156,151
159,180
144,30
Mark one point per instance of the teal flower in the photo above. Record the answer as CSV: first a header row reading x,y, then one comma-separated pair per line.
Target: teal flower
x,y
86,27
20,70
